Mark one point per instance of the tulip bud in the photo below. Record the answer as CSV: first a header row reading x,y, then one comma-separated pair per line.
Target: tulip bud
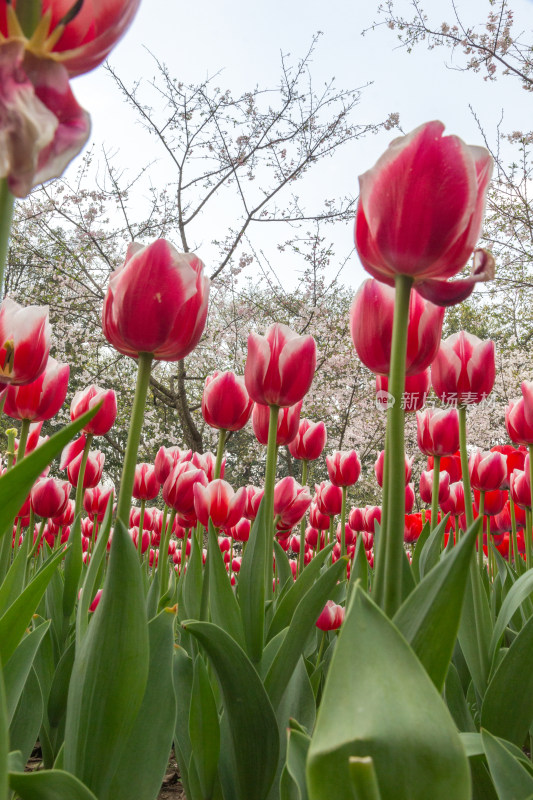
x,y
225,401
331,617
309,441
145,483
49,497
279,366
344,468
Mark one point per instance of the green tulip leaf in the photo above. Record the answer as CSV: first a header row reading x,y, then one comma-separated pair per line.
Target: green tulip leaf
x,y
429,618
109,674
144,760
18,667
13,584
223,604
475,629
432,548
286,607
517,595
302,624
183,676
283,567
252,585
14,622
507,709
50,784
193,582
15,484
293,783
252,724
57,698
92,576
417,552
391,712
204,728
511,779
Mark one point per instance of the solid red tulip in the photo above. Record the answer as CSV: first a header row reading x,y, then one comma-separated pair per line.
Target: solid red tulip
x,y
371,317
279,366
420,212
86,399
156,302
309,442
494,502
42,398
225,401
464,369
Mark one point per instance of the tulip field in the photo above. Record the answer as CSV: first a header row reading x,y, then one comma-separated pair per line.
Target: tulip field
x,y
272,641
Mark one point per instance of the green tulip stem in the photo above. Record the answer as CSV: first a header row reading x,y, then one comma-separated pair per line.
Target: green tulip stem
x,y
38,539
480,535
464,466
134,437
529,532
527,537
268,497
363,778
388,590
301,555
23,440
2,402
222,435
457,534
162,566
140,536
81,475
10,452
514,536
343,521
435,492
7,206
321,649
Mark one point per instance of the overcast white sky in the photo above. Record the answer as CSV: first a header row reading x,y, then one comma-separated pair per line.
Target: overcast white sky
x,y
244,40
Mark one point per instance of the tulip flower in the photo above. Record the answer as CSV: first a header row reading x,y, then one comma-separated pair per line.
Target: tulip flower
x,y
93,469
49,497
309,441
356,519
331,617
66,517
413,527
464,369
96,500
42,398
420,213
494,501
520,488
344,468
88,398
328,498
225,401
371,317
380,462
254,495
178,487
288,422
206,462
145,484
371,514
166,459
438,431
518,428
455,502
156,302
217,501
291,502
409,498
414,395
488,471
450,464
279,366
240,532
43,127
24,342
77,35
426,486
317,519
